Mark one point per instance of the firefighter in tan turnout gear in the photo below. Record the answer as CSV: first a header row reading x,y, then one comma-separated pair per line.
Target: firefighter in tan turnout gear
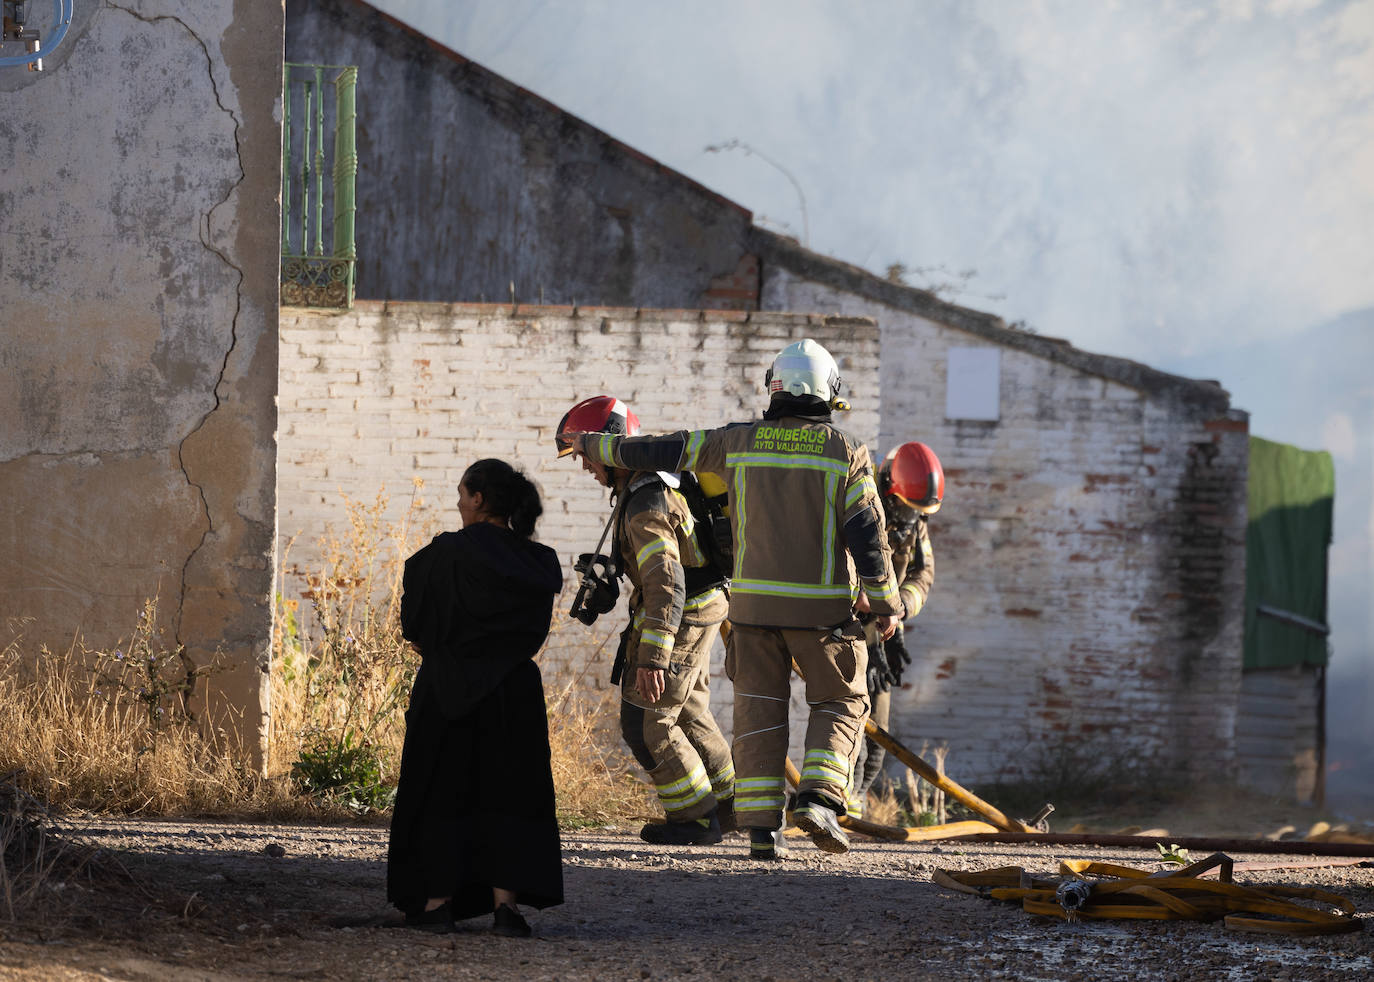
x,y
676,607
911,483
804,507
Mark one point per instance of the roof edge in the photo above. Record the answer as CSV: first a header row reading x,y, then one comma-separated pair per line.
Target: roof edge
x,y
1206,395
500,80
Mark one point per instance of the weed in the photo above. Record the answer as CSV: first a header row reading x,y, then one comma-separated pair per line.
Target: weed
x,y
78,732
346,771
1173,854
341,680
148,673
594,778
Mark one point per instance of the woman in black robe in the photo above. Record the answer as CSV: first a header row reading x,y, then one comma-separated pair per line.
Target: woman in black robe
x,y
474,828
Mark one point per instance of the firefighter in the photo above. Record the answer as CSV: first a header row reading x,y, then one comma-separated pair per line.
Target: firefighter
x,y
676,607
804,510
911,483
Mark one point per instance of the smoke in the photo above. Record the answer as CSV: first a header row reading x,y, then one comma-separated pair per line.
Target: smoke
x,y
1135,177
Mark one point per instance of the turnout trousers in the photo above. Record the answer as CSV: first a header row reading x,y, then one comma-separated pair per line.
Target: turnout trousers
x,y
759,663
676,739
871,755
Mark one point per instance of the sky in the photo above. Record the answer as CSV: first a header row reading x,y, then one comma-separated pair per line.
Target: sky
x,y
1188,184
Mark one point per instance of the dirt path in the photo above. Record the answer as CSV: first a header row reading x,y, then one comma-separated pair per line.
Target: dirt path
x,y
211,904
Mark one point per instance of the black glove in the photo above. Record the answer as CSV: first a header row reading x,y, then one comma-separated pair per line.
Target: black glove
x,y
898,658
879,678
618,666
600,587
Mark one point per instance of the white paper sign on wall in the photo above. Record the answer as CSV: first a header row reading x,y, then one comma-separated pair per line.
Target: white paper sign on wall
x,y
972,384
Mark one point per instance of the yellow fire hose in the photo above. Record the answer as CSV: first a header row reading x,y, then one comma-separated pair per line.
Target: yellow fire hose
x,y
895,833
1124,893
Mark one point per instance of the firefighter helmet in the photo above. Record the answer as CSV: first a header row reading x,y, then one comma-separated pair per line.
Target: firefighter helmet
x,y
804,369
913,473
599,414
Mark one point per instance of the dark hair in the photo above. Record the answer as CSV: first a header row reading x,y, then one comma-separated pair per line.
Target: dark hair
x,y
506,493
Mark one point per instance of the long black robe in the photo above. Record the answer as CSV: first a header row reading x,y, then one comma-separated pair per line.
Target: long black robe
x,y
474,805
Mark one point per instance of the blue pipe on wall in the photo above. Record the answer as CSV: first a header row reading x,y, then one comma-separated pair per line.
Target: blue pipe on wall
x,y
62,18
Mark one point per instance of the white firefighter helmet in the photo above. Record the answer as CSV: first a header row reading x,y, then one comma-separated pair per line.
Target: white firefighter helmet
x,y
804,369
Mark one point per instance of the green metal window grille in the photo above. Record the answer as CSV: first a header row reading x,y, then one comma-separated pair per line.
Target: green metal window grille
x,y
313,105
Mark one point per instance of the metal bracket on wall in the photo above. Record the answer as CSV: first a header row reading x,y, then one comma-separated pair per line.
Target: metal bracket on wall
x,y
16,29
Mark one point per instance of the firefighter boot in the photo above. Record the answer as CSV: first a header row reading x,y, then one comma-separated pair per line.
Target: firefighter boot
x,y
693,832
817,817
766,844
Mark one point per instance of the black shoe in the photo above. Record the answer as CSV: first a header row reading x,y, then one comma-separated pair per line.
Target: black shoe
x,y
509,924
823,825
693,832
766,844
725,815
436,921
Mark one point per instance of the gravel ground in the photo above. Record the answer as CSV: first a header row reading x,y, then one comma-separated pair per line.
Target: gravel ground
x,y
207,902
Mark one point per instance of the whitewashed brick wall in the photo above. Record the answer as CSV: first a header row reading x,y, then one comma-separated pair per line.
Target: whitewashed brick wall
x,y
1089,561
1090,554
390,392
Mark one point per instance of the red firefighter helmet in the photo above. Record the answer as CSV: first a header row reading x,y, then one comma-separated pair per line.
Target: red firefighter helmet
x,y
913,473
599,414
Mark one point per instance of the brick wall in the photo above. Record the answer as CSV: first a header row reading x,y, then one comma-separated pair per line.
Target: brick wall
x,y
1089,561
386,393
1089,555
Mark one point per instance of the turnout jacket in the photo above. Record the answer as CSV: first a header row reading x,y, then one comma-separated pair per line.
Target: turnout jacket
x,y
656,537
802,503
913,562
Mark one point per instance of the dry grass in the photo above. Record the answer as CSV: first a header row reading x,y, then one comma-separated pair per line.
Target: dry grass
x,y
103,729
593,775
341,676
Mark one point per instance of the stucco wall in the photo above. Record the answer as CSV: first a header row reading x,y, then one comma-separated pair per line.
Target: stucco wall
x,y
1090,559
138,281
468,184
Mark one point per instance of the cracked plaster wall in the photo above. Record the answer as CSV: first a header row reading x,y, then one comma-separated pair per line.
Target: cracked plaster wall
x,y
139,178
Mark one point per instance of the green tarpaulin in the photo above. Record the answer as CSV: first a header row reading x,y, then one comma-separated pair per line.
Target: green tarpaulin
x,y
1291,493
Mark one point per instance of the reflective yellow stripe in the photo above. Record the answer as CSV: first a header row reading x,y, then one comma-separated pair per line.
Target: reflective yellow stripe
x,y
723,781
853,805
880,592
759,794
832,487
787,461
649,551
833,470
684,792
826,766
651,638
703,599
694,778
856,492
693,449
804,591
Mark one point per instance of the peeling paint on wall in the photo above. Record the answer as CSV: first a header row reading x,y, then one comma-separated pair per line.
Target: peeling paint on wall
x,y
138,272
